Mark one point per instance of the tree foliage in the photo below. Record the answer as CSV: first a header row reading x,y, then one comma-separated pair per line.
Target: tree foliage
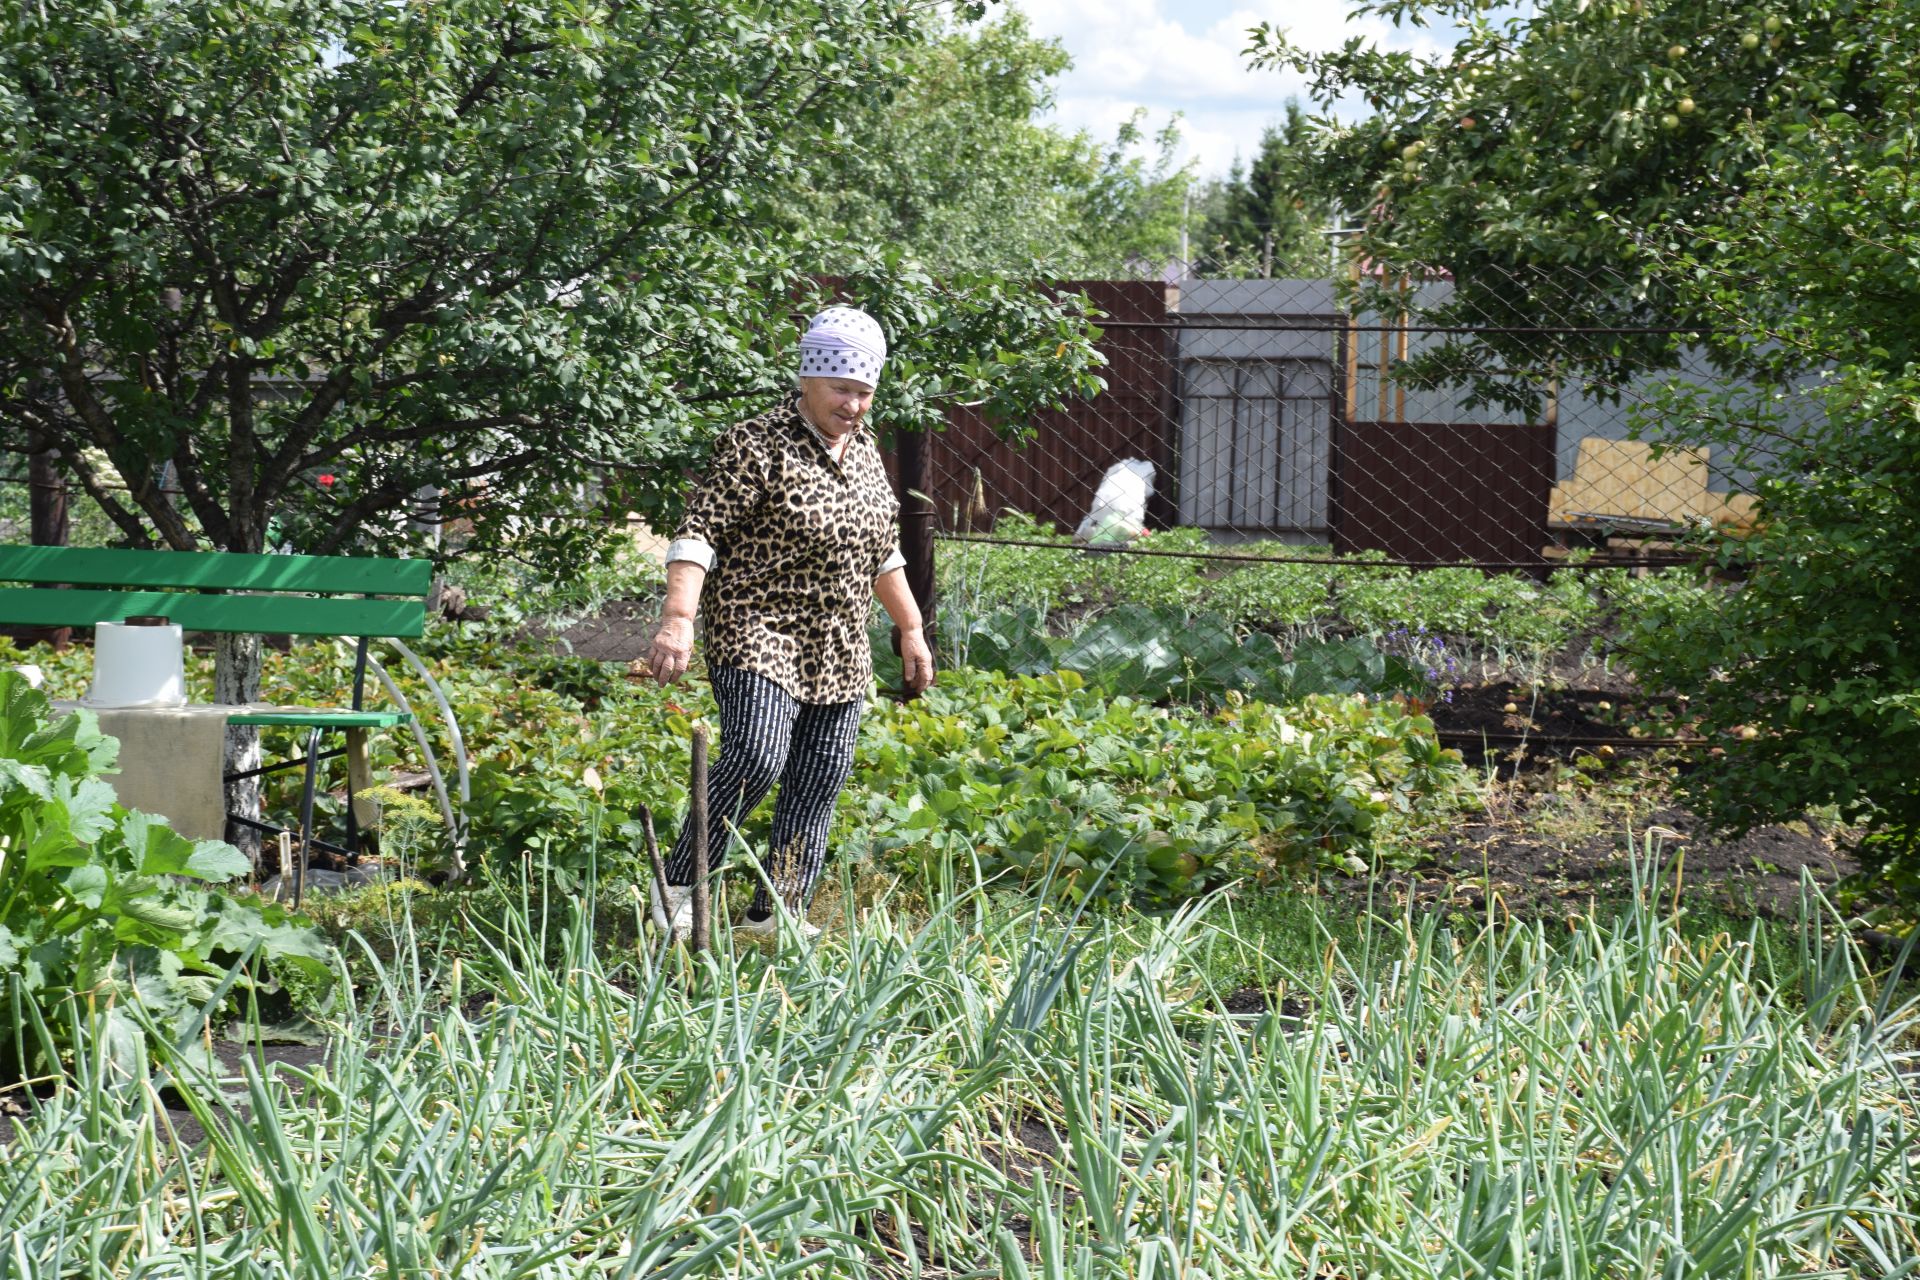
x,y
1269,218
1742,172
1811,281
1526,158
958,166
484,247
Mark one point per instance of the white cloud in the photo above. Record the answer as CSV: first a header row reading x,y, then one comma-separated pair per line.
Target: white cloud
x,y
1189,57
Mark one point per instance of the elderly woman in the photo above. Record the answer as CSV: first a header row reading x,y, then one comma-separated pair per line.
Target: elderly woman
x,y
787,537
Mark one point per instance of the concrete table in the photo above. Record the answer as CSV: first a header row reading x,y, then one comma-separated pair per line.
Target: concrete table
x,y
170,758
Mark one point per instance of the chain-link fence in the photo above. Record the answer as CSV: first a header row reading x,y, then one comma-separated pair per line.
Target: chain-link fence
x,y
1292,485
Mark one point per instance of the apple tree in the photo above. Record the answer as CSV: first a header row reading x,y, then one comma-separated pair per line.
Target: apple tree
x,y
1744,174
1809,674
1531,159
484,249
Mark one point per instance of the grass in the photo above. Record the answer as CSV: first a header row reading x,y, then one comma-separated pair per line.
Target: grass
x,y
989,1089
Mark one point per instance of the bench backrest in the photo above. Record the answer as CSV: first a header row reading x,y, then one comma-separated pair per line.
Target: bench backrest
x,y
318,595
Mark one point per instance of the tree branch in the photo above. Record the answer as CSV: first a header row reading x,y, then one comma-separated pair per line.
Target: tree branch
x,y
71,372
354,514
127,522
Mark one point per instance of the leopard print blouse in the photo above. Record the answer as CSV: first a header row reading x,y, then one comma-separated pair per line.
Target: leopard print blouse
x,y
793,542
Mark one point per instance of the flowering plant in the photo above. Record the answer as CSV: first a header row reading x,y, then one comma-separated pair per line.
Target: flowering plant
x,y
1428,655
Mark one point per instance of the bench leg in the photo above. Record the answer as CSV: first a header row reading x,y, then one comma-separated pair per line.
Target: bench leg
x,y
363,813
306,816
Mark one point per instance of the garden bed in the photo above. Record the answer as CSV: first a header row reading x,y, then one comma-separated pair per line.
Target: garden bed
x,y
1556,839
1509,724
1573,779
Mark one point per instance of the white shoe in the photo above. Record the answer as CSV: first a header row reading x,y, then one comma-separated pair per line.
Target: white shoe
x,y
678,909
768,930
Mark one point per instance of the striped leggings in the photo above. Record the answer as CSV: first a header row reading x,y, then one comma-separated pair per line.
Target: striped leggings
x,y
766,737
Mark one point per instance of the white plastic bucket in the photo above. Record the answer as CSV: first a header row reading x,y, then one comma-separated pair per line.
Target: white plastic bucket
x,y
138,666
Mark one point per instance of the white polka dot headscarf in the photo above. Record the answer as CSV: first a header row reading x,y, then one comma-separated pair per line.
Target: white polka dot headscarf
x,y
843,342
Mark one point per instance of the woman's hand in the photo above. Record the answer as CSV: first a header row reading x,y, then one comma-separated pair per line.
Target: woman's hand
x,y
909,629
916,661
672,649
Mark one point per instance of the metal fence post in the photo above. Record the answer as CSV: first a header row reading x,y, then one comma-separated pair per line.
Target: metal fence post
x,y
916,525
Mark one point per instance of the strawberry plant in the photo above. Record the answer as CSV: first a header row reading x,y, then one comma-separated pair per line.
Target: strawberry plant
x,y
1146,802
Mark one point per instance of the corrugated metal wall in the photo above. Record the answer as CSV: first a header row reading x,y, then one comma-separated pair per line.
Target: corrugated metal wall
x,y
1241,414
1443,490
1053,475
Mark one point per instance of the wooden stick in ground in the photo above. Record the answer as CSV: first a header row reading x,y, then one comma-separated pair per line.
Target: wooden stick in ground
x,y
659,867
697,815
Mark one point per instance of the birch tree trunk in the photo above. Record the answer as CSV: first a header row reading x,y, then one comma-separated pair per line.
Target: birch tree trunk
x,y
236,678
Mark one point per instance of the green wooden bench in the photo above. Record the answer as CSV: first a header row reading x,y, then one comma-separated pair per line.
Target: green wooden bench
x,y
283,595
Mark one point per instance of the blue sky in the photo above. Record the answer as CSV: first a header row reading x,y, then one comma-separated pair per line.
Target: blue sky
x,y
1185,55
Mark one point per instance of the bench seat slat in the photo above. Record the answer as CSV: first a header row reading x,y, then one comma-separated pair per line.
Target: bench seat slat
x,y
267,615
226,570
320,717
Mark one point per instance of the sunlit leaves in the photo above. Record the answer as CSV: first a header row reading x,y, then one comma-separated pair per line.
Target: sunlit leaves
x,y
96,904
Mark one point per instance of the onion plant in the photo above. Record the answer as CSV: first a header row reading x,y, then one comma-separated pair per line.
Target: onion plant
x,y
985,1091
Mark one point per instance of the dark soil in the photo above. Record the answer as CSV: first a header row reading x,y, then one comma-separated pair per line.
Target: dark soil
x,y
1532,865
1568,813
1026,1145
1502,711
1258,1000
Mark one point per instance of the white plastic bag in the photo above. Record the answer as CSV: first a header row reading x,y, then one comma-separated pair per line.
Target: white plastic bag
x,y
1119,511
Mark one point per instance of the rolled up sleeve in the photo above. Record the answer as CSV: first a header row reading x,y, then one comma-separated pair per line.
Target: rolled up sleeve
x,y
892,559
695,550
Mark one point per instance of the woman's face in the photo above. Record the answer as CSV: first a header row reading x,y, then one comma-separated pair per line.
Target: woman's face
x,y
835,405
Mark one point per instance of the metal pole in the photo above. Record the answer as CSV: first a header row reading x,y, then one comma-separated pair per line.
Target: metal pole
x,y
916,525
1400,388
697,815
1186,207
